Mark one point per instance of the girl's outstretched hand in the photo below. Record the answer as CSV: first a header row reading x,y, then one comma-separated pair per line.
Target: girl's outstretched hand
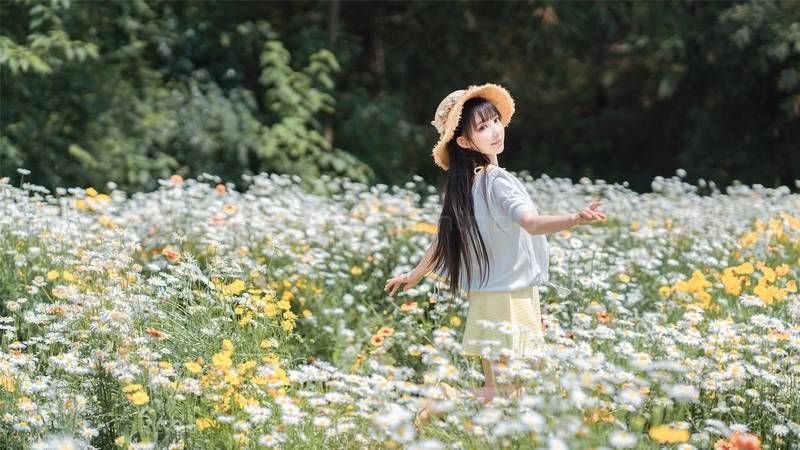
x,y
394,283
589,214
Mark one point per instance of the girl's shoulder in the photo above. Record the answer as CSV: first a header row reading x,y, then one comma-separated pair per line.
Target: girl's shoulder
x,y
494,173
499,172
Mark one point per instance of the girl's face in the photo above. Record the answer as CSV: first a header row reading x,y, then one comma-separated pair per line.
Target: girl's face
x,y
487,136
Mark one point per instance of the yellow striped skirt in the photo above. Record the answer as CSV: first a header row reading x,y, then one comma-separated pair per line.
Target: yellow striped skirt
x,y
503,320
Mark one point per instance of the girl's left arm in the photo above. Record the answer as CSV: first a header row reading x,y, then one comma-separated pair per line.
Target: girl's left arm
x,y
546,224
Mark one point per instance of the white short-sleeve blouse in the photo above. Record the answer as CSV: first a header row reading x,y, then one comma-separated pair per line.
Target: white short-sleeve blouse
x,y
517,259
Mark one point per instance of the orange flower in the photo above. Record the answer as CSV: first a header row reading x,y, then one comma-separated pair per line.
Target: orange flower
x,y
156,333
745,441
603,316
723,444
385,331
176,180
408,306
376,340
780,335
220,188
171,254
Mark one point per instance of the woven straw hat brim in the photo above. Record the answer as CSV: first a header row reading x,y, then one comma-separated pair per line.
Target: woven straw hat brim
x,y
494,93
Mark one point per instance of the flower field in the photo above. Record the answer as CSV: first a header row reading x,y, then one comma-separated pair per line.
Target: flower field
x,y
199,316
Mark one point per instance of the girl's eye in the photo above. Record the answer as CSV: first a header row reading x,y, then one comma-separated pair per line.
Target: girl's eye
x,y
480,128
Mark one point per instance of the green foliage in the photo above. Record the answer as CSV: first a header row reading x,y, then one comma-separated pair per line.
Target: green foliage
x,y
47,45
78,112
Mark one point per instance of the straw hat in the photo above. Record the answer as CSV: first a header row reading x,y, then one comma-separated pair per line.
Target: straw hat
x,y
448,113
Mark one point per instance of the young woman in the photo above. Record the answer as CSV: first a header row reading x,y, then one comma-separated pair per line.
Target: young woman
x,y
491,239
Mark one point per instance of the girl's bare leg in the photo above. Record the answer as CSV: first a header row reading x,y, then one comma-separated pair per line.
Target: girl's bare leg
x,y
490,387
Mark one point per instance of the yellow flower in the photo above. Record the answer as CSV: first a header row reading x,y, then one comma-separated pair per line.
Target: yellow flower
x,y
245,366
271,358
132,388
624,278
769,274
7,383
91,192
232,378
52,275
270,310
744,269
244,402
234,288
246,318
668,435
193,367
120,441
139,398
287,325
203,423
221,360
284,305
748,239
356,270
455,321
107,222
696,286
227,346
307,313
664,291
732,283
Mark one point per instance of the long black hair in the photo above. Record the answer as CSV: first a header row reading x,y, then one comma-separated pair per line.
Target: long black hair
x,y
458,236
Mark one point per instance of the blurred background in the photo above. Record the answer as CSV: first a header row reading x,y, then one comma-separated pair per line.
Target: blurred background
x,y
134,91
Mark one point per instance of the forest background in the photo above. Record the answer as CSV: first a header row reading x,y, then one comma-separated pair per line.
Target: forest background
x,y
134,91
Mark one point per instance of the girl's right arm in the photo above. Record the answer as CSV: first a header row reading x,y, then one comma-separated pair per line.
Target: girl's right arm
x,y
424,266
415,275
